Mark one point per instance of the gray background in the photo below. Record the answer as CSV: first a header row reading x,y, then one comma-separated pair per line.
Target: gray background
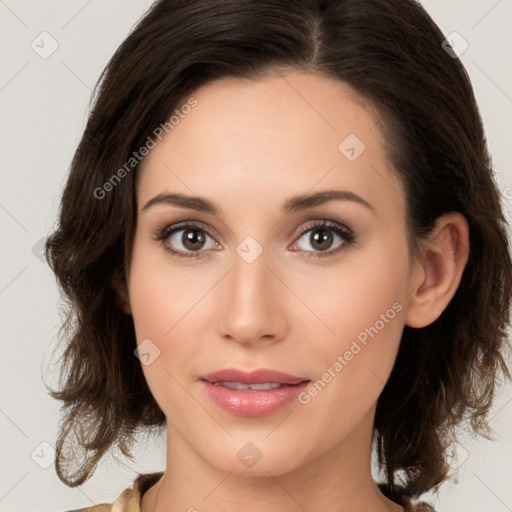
x,y
44,106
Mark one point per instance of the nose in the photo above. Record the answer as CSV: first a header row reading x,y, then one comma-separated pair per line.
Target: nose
x,y
251,302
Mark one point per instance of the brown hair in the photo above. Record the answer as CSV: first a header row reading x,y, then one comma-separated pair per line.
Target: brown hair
x,y
391,52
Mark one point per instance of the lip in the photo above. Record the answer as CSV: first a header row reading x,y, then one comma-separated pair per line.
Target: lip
x,y
252,377
250,402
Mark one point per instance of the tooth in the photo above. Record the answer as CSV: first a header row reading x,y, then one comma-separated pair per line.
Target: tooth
x,y
265,386
234,385
256,387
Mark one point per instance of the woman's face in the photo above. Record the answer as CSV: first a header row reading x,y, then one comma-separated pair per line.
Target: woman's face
x,y
256,286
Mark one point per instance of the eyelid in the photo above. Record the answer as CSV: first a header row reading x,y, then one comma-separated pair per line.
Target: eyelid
x,y
177,226
327,224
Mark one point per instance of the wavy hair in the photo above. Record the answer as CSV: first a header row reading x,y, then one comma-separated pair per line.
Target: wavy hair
x,y
391,52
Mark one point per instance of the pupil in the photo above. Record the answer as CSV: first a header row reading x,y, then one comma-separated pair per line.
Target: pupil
x,y
324,239
192,237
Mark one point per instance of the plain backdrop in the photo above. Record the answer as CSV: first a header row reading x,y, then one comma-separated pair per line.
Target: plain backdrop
x,y
44,106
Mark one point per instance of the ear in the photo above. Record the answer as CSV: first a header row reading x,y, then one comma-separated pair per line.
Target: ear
x,y
121,289
437,272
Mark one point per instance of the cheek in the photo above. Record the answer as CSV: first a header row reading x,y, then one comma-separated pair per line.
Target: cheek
x,y
352,295
162,293
164,320
362,302
161,298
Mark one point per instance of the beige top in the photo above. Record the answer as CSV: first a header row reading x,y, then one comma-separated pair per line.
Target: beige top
x,y
130,499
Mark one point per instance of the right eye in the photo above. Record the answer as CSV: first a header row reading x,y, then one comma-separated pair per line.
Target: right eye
x,y
184,239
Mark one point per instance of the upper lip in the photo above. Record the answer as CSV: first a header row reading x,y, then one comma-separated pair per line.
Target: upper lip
x,y
259,376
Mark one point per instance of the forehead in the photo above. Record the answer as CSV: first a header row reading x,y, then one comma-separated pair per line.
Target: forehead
x,y
282,134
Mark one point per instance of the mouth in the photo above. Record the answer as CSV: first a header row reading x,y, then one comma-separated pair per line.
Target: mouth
x,y
260,399
262,379
264,386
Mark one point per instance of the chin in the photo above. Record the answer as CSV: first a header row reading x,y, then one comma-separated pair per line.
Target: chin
x,y
257,457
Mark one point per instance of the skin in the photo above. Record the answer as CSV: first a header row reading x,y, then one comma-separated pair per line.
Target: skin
x,y
248,146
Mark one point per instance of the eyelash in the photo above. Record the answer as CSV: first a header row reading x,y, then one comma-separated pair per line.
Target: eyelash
x,y
347,235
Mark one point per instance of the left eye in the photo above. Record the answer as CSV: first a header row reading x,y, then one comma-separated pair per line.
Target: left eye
x,y
321,238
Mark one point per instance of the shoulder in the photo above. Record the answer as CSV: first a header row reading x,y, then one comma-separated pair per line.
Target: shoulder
x,y
103,507
129,499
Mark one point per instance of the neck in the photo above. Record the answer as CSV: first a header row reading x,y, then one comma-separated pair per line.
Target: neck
x,y
339,479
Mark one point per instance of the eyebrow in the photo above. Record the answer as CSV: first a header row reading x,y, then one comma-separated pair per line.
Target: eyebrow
x,y
291,205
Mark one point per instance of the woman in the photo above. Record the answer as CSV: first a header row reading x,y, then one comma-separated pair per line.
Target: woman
x,y
281,240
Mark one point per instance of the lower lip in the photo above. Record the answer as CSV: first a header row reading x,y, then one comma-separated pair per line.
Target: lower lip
x,y
253,403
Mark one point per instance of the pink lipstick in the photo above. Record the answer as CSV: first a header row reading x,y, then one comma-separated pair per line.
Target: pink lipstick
x,y
257,393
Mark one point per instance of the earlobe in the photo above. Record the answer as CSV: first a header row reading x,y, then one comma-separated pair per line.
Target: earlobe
x,y
438,272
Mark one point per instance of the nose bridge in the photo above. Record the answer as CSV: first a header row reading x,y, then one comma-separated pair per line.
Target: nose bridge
x,y
250,275
251,306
